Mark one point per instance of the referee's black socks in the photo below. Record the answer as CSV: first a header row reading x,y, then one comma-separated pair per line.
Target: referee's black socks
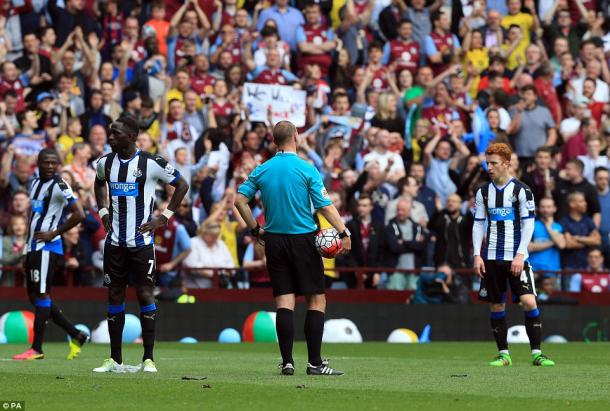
x,y
116,322
148,314
499,329
284,326
533,326
314,328
43,312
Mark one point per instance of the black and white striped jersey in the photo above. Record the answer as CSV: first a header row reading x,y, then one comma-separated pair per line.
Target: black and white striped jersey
x,y
504,209
49,200
131,189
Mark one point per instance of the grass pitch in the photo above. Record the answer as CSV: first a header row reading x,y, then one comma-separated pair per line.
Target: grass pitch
x,y
379,376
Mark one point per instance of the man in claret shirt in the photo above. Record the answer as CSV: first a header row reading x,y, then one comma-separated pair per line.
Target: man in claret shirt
x,y
315,42
441,45
202,82
403,50
10,80
380,73
182,32
272,73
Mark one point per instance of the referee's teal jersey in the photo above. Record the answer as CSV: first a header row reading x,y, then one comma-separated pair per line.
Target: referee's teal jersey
x,y
289,187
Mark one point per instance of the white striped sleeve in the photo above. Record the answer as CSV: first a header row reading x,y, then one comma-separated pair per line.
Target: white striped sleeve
x,y
478,228
100,169
480,208
527,207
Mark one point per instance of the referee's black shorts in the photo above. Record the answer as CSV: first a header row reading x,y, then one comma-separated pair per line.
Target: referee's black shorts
x,y
498,277
294,264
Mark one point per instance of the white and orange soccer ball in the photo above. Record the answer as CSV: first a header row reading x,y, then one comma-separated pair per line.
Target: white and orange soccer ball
x,y
328,243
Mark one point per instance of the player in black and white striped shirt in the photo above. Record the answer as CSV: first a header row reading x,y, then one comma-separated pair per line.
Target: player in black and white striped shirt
x,y
50,197
507,206
125,192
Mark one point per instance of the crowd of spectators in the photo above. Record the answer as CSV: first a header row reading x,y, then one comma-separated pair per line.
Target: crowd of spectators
x,y
403,96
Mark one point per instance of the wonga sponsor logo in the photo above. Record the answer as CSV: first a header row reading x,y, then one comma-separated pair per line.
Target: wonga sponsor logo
x,y
38,206
501,213
124,189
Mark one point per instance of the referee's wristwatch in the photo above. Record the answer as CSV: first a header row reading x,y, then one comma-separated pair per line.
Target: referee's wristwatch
x,y
256,230
345,233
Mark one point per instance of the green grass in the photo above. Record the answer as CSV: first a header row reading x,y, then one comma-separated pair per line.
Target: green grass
x,y
379,376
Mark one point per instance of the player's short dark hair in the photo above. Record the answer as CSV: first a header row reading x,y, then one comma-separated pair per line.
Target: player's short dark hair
x,y
47,152
282,132
404,20
128,124
592,249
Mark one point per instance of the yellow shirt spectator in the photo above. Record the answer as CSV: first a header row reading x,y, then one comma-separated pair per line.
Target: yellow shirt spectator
x,y
523,20
512,61
65,144
175,94
479,58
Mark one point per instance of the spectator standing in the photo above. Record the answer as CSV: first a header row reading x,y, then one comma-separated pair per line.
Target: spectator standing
x,y
602,176
405,241
594,158
547,241
580,233
440,162
287,19
367,243
453,231
532,125
574,181
12,246
172,247
542,177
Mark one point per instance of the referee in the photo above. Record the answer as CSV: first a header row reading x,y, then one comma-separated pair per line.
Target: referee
x,y
289,186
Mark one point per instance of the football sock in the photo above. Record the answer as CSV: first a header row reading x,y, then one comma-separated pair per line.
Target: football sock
x,y
116,322
499,329
148,314
314,328
43,311
58,317
284,326
533,326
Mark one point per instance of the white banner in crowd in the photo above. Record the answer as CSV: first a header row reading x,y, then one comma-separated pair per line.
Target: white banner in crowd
x,y
286,103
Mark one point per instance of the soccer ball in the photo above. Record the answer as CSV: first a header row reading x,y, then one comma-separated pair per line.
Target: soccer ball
x,y
328,243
